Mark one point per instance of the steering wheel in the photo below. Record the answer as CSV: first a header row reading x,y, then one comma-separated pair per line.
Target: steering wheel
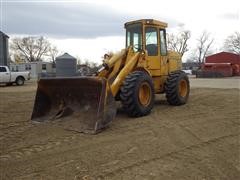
x,y
136,46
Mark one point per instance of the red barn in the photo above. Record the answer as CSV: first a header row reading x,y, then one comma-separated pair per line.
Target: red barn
x,y
223,57
225,62
223,69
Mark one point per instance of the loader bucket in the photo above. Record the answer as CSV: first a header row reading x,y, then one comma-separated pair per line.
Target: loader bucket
x,y
83,104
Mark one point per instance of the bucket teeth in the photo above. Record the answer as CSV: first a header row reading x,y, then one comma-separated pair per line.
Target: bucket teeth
x,y
79,104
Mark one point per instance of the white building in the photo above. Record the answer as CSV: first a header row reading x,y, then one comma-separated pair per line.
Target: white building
x,y
35,68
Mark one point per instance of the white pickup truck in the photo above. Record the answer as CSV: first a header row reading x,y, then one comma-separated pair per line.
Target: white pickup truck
x,y
8,77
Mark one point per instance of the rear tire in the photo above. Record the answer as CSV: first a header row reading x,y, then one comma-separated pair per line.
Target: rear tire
x,y
177,88
137,94
20,81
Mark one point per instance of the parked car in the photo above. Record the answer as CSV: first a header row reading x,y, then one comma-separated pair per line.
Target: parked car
x,y
8,77
189,72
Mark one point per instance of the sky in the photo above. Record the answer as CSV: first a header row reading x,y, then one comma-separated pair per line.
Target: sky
x,y
90,28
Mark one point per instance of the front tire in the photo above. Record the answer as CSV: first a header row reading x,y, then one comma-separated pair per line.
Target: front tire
x,y
137,94
20,81
177,88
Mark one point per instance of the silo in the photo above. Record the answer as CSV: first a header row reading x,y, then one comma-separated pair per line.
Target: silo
x,y
4,53
66,65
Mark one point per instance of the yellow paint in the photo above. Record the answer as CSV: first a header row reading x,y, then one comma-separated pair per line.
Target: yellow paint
x,y
159,84
144,94
115,58
127,69
183,88
175,62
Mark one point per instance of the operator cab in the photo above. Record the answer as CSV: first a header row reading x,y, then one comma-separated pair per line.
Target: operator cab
x,y
147,34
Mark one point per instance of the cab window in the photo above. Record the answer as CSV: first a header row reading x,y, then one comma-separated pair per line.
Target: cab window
x,y
3,69
134,36
151,41
163,44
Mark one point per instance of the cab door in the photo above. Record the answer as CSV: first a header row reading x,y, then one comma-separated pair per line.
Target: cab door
x,y
151,46
4,74
163,52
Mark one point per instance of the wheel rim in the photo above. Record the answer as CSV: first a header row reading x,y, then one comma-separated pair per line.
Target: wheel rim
x,y
144,94
183,88
20,81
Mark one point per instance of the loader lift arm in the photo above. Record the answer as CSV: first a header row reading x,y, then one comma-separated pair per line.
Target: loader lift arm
x,y
117,67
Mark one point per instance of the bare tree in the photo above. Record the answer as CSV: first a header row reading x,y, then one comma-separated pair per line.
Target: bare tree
x,y
79,60
203,46
53,52
232,43
30,48
17,59
87,62
178,42
93,65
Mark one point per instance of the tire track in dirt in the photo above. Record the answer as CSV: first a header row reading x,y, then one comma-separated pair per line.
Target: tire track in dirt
x,y
116,167
135,129
73,139
14,130
111,171
59,141
118,170
14,124
35,148
145,161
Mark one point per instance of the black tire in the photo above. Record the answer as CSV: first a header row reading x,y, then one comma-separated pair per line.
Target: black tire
x,y
130,94
20,81
177,88
117,97
9,84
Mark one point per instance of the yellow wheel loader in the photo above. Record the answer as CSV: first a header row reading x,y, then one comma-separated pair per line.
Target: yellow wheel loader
x,y
133,76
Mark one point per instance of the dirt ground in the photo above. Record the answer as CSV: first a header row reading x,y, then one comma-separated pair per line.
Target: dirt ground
x,y
200,140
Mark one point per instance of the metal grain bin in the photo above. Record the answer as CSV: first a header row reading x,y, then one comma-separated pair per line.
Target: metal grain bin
x,y
4,52
66,65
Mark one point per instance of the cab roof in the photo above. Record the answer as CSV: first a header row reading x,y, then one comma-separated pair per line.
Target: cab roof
x,y
148,22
